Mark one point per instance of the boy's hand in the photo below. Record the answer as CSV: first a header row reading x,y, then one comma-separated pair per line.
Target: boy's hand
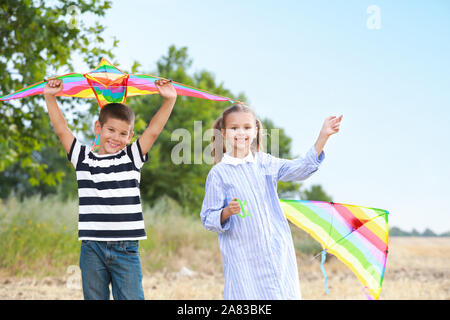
x,y
159,120
53,87
166,89
331,126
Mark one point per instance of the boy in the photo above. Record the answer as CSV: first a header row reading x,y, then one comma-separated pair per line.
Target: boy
x,y
110,212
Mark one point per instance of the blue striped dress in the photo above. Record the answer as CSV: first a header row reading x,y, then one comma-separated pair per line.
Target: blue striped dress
x,y
258,254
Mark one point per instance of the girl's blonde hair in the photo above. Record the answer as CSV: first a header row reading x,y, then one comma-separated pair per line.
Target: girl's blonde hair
x,y
218,143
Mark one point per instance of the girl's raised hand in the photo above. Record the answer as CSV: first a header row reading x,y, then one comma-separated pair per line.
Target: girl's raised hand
x,y
331,125
53,87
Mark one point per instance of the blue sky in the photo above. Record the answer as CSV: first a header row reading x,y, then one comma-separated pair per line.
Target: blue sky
x,y
301,61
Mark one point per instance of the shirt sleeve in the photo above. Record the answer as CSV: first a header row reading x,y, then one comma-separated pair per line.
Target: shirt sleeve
x,y
75,151
298,169
213,204
136,154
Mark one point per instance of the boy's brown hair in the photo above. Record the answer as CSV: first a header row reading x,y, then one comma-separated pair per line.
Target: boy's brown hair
x,y
118,111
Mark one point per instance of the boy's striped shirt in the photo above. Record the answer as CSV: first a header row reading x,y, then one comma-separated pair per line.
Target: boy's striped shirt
x,y
108,190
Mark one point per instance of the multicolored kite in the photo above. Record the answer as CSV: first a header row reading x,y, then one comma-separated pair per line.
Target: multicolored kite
x,y
358,236
108,84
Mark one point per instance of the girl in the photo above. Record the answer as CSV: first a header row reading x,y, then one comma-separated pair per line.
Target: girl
x,y
258,254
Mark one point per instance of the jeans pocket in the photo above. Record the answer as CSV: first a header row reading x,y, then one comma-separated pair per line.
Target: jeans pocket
x,y
131,248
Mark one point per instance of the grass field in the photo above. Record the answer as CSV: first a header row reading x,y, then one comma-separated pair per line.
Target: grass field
x,y
39,255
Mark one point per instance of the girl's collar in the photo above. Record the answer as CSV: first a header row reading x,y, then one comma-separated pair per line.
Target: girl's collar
x,y
229,159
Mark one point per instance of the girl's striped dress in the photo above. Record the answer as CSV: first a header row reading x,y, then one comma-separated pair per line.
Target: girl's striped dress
x,y
257,250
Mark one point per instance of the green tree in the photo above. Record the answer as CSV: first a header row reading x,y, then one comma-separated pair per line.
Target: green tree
x,y
278,144
429,233
317,193
397,232
39,38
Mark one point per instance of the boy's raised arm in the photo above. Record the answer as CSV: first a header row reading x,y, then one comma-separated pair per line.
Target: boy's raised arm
x,y
159,120
53,87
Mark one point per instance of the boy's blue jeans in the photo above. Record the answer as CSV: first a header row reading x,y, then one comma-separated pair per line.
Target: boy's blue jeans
x,y
115,262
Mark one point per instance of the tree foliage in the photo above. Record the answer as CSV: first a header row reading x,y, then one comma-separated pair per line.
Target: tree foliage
x,y
39,39
397,232
316,193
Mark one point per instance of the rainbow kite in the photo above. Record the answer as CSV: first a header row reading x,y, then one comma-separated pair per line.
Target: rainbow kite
x,y
358,236
108,84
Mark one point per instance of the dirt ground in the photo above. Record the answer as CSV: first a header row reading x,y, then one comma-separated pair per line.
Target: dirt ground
x,y
417,268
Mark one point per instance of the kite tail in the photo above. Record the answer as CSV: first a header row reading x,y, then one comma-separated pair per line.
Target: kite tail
x,y
96,144
324,257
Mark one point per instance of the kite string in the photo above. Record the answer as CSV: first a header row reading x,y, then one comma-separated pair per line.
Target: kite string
x,y
324,253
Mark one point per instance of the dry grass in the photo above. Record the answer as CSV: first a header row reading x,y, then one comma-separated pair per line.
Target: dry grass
x,y
39,258
417,268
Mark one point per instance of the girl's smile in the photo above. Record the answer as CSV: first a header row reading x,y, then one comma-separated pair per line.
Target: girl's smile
x,y
239,133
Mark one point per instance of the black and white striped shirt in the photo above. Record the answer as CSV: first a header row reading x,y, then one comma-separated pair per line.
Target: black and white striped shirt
x,y
108,190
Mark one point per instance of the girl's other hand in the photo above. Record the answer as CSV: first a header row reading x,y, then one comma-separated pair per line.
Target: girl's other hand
x,y
234,206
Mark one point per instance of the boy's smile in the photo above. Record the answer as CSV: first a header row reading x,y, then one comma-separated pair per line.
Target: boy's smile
x,y
115,134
